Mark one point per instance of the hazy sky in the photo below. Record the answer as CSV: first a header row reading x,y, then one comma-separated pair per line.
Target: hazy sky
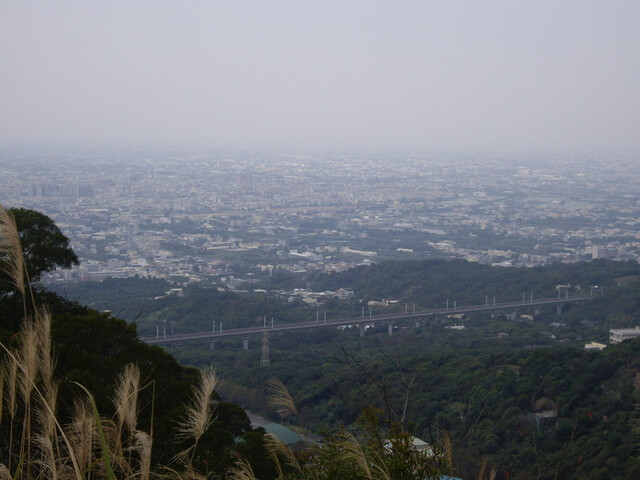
x,y
476,74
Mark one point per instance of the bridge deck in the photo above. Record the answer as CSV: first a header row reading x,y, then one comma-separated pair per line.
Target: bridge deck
x,y
238,332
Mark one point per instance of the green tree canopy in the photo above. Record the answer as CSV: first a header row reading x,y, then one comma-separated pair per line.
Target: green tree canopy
x,y
45,247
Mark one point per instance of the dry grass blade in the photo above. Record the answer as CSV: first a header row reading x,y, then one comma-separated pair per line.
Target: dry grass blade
x,y
493,474
352,452
143,445
75,471
4,472
172,474
279,399
241,470
28,359
483,468
48,403
447,450
11,256
120,461
43,333
12,383
198,416
11,374
126,398
2,375
81,433
378,467
278,450
45,367
47,462
106,456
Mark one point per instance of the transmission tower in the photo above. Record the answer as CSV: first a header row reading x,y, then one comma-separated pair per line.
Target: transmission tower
x,y
264,360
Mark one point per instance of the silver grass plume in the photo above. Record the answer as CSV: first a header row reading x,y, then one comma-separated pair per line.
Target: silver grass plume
x,y
241,470
47,462
46,413
279,399
278,450
126,398
82,434
199,414
12,382
112,441
352,452
4,472
143,443
23,375
188,474
447,449
43,332
27,357
46,367
11,255
2,375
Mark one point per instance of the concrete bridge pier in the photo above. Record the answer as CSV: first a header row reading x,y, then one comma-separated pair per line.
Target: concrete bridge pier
x,y
390,329
536,311
212,344
362,330
559,308
245,343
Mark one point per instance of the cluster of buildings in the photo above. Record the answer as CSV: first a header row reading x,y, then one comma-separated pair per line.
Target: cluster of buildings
x,y
202,216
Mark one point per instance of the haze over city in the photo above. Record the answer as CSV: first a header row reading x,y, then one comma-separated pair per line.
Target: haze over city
x,y
490,76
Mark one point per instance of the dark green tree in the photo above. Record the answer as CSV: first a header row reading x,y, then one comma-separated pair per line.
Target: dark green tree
x,y
45,247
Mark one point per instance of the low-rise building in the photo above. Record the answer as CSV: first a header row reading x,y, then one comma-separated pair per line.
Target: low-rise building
x,y
617,335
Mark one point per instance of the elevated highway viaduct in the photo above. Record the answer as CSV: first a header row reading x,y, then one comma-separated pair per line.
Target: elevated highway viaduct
x,y
162,338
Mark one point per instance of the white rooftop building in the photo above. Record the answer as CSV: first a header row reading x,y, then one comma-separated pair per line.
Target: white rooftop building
x,y
617,335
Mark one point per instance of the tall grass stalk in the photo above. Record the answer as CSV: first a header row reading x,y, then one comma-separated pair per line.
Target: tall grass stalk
x,y
12,381
353,453
46,362
70,454
46,367
106,456
278,450
11,254
5,474
28,362
82,434
47,462
279,399
2,382
126,398
143,444
198,415
241,470
447,450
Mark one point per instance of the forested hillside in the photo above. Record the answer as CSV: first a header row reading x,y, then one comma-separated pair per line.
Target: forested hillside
x,y
521,392
547,412
429,282
423,283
